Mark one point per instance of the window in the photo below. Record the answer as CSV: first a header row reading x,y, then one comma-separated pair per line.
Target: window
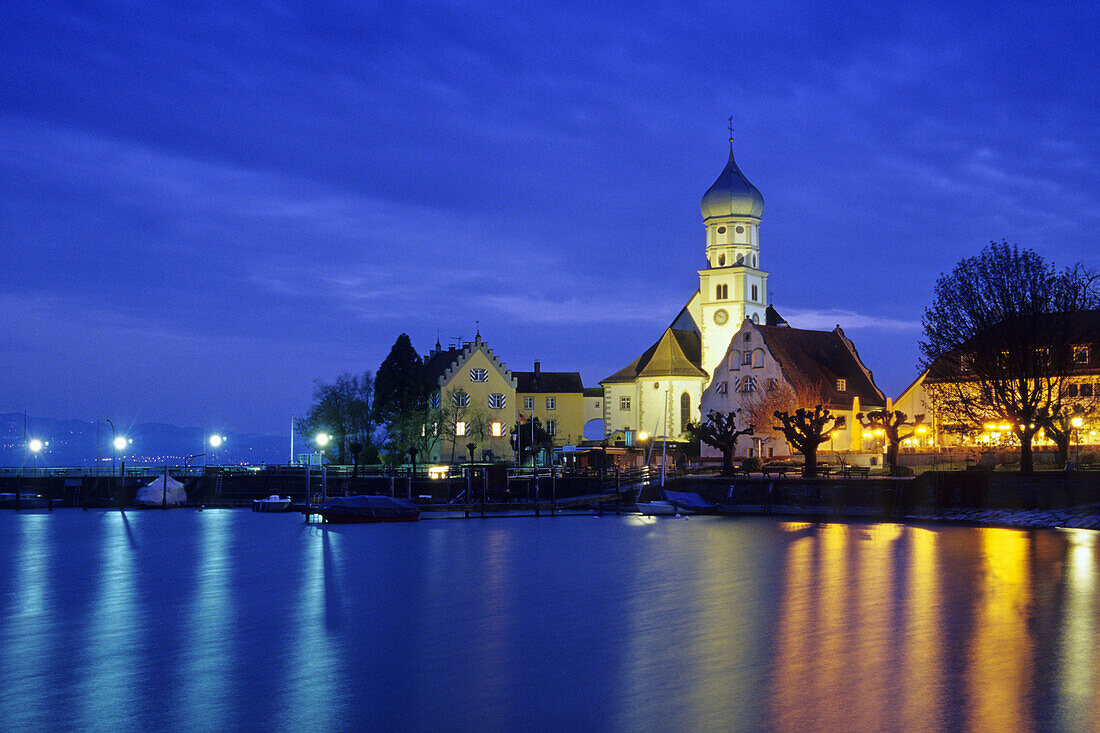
x,y
496,429
748,384
756,318
735,360
746,358
551,427
479,375
740,229
758,358
624,404
433,400
528,403
460,428
721,292
685,411
551,403
721,230
721,260
460,399
754,291
748,336
773,383
722,388
1085,389
842,385
1080,355
1071,390
754,260
497,401
841,422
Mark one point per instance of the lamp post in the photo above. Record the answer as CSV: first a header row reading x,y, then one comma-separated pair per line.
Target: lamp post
x,y
215,443
120,442
1076,423
322,439
35,445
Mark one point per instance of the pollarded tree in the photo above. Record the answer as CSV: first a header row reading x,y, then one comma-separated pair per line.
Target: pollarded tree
x,y
806,430
529,437
891,423
999,336
720,430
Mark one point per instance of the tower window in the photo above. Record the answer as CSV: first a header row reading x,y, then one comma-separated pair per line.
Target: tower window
x,y
740,230
721,292
721,260
721,230
754,293
754,260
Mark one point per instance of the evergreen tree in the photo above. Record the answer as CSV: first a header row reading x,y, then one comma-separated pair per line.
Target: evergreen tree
x,y
401,394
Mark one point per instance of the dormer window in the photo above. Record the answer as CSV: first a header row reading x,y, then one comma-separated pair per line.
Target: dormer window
x,y
842,385
1080,355
479,375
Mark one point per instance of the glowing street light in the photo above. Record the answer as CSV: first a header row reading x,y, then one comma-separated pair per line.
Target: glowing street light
x,y
120,443
36,445
216,442
1077,422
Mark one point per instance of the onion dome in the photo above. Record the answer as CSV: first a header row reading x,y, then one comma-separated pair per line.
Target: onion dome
x,y
732,194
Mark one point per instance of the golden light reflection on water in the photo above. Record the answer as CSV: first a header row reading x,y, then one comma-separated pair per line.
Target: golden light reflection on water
x,y
869,638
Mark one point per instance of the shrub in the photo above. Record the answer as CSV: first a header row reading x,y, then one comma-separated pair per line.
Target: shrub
x,y
752,465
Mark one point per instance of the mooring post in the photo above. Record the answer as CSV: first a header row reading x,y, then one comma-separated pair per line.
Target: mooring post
x,y
469,489
484,489
553,490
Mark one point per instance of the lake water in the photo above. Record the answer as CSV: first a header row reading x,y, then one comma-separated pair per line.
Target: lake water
x,y
229,620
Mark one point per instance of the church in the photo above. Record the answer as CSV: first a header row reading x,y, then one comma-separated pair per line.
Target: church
x,y
660,391
689,366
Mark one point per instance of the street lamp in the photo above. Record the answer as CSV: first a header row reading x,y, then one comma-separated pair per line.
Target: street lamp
x,y
322,439
215,443
35,445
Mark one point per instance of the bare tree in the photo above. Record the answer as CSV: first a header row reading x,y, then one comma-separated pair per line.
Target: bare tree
x,y
806,430
998,340
720,430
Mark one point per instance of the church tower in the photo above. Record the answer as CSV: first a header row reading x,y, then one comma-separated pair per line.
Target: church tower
x,y
732,287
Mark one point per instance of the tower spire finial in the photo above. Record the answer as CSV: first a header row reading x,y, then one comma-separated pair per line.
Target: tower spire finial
x,y
731,133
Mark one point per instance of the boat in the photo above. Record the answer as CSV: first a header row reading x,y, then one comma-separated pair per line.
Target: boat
x,y
273,503
657,508
366,508
26,501
689,502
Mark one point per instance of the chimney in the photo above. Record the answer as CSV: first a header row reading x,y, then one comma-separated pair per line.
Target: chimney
x,y
538,368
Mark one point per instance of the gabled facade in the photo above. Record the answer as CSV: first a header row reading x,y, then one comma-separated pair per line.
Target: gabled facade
x,y
823,367
476,397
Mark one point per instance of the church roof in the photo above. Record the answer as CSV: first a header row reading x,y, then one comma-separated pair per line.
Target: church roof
x,y
732,194
817,359
676,354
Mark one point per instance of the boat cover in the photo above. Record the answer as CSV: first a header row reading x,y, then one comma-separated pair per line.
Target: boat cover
x,y
153,494
689,501
382,507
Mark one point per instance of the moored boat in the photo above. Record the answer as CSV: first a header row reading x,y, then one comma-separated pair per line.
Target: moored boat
x,y
26,501
273,503
657,509
365,508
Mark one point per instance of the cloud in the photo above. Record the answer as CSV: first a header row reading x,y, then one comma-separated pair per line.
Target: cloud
x,y
826,320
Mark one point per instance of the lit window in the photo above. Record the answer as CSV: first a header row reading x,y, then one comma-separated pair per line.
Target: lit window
x,y
624,403
496,429
460,428
528,403
433,400
842,385
479,375
497,401
551,403
1080,355
722,388
460,399
551,427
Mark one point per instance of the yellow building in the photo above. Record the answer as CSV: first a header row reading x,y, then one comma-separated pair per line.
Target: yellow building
x,y
556,399
475,400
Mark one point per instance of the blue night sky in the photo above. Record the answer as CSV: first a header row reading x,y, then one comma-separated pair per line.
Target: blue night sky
x,y
211,207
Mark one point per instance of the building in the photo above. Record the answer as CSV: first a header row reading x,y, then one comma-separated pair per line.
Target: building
x,y
660,391
556,399
475,396
772,366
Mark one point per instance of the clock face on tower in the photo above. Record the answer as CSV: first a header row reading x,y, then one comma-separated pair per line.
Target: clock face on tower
x,y
721,316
